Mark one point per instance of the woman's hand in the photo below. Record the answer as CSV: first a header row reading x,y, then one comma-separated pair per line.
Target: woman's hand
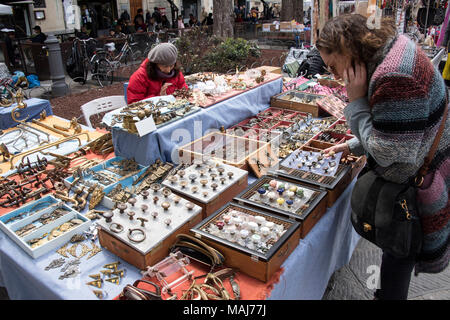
x,y
343,147
356,81
163,91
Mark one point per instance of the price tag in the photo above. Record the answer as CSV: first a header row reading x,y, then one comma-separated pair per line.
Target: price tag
x,y
145,126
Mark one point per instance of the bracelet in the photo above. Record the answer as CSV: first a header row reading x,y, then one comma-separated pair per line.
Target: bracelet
x,y
132,238
116,227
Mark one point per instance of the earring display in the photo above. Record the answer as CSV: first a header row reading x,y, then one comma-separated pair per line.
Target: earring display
x,y
43,225
250,237
209,184
136,230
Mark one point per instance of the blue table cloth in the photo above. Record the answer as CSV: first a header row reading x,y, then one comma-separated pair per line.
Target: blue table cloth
x,y
34,107
164,142
326,248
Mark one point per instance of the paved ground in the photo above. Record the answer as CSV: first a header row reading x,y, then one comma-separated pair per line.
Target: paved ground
x,y
357,280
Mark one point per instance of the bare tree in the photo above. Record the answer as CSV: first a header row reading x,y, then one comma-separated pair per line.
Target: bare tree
x,y
223,16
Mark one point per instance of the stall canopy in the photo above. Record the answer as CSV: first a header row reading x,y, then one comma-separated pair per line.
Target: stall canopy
x,y
5,10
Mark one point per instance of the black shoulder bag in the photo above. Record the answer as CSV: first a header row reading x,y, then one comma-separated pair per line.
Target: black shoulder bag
x,y
385,213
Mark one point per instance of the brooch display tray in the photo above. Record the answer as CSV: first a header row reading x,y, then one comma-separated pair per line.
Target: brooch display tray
x,y
254,263
333,185
214,199
287,100
49,203
307,210
227,148
312,161
159,236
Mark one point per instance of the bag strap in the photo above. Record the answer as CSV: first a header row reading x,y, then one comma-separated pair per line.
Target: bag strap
x,y
424,169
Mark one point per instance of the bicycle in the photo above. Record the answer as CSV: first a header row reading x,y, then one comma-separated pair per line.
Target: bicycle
x,y
128,53
99,67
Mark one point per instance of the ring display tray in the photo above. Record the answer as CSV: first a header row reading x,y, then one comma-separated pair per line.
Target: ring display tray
x,y
255,242
311,161
142,231
291,200
43,225
333,185
209,184
298,101
227,148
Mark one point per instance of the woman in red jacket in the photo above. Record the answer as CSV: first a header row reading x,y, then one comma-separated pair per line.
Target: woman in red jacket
x,y
158,75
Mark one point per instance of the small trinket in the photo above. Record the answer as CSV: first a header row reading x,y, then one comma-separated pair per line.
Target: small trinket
x,y
266,186
280,191
189,205
181,173
155,199
213,176
108,216
144,194
144,208
270,225
84,250
165,205
194,189
214,186
204,182
261,191
205,194
300,193
280,201
265,231
291,194
176,199
202,173
107,273
271,195
226,219
230,175
167,222
220,224
289,203
192,177
63,250
183,184
244,234
115,280
119,273
94,250
132,201
97,276
166,192
273,184
55,264
222,180
260,220
173,179
256,238
122,207
143,221
130,215
100,294
112,265
253,226
154,214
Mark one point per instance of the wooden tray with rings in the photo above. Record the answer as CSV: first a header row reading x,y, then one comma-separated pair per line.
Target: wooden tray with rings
x,y
255,242
296,202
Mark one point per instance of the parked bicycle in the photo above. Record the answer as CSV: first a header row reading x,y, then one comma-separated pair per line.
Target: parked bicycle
x,y
92,63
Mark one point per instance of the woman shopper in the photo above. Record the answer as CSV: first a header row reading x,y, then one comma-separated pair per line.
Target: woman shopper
x,y
158,75
397,103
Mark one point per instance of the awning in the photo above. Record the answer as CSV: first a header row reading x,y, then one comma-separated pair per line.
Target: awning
x,y
5,10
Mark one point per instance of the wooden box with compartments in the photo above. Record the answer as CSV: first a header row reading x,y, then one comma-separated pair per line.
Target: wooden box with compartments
x,y
229,149
334,179
298,101
210,184
253,241
142,230
291,200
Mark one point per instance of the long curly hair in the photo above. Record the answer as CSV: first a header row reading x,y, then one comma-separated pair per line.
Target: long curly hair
x,y
349,34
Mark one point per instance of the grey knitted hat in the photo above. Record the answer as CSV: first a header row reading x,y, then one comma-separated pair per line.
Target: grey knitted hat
x,y
164,53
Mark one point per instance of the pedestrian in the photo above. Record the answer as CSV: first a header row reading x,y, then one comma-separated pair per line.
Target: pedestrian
x,y
39,36
138,15
209,20
152,26
157,15
125,16
397,103
147,17
158,75
140,26
165,24
203,16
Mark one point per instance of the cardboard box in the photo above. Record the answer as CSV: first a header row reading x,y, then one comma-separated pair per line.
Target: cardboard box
x,y
286,26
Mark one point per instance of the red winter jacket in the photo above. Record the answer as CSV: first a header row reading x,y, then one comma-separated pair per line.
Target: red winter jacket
x,y
141,87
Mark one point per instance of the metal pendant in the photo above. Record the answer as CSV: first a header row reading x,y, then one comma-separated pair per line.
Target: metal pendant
x,y
70,264
95,249
73,250
97,276
112,265
107,273
84,250
63,250
119,273
115,280
95,283
55,264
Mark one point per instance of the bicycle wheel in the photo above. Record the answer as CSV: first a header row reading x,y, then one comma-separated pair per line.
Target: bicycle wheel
x,y
105,73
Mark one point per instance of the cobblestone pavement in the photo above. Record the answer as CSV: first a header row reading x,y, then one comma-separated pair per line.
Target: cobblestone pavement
x,y
358,279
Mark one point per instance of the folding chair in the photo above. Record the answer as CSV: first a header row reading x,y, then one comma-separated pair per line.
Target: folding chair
x,y
101,105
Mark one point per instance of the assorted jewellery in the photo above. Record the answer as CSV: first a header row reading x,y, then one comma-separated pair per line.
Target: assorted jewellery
x,y
70,270
314,162
203,181
55,264
67,250
54,233
255,232
41,221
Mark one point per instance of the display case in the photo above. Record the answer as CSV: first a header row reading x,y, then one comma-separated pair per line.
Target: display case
x,y
298,101
291,200
253,241
334,185
142,230
229,149
43,225
210,184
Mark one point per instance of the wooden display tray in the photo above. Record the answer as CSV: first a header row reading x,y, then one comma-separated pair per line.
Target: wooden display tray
x,y
334,186
308,216
222,197
159,237
266,158
255,264
277,101
194,152
331,83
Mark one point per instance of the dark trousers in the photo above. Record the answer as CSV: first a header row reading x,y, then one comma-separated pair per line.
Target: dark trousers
x,y
395,276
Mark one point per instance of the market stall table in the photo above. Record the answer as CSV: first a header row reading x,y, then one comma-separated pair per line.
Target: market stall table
x,y
33,110
304,274
163,143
